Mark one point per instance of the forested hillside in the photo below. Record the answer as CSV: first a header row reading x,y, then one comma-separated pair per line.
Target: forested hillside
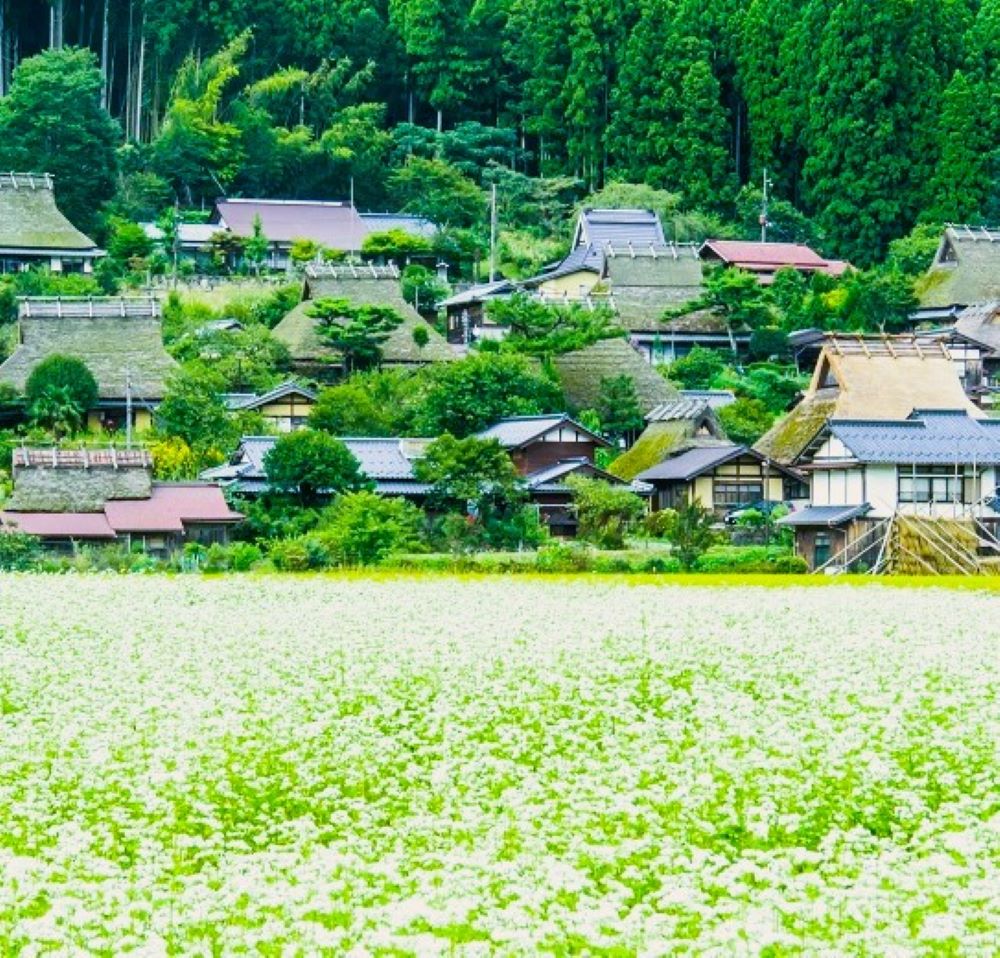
x,y
867,116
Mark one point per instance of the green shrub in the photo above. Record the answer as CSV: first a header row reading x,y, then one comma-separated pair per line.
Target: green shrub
x,y
562,557
243,556
362,528
299,555
18,551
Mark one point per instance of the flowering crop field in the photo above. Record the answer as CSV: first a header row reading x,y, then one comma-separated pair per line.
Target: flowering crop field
x,y
393,766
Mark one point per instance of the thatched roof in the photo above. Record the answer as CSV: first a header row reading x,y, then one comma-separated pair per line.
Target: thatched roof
x,y
671,427
580,374
982,324
868,378
645,284
966,268
31,221
363,286
114,347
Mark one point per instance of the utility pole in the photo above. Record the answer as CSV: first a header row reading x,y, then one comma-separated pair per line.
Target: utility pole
x,y
128,409
493,233
763,209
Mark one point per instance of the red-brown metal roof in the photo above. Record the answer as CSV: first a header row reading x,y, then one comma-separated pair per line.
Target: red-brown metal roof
x,y
767,257
60,525
169,507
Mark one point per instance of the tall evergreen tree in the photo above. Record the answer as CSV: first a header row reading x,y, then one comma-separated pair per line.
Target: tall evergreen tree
x,y
963,178
870,133
703,161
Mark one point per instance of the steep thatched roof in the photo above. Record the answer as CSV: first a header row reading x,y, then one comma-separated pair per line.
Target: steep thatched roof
x,y
966,268
31,221
361,286
580,374
868,378
114,347
981,323
671,427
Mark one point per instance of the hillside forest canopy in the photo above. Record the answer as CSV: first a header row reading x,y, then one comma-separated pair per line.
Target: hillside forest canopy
x,y
868,118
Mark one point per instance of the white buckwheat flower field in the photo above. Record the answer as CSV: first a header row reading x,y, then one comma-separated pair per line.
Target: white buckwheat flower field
x,y
514,766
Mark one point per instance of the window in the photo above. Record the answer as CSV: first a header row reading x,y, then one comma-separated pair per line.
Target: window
x,y
918,483
737,493
793,489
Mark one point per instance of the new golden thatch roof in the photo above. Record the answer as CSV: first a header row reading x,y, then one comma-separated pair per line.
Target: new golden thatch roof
x,y
868,378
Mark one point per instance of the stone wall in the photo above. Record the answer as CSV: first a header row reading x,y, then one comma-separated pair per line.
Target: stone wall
x,y
38,489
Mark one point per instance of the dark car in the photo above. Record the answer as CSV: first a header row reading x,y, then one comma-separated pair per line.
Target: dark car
x,y
765,507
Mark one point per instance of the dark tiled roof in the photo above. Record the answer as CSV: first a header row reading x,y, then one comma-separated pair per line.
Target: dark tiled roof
x,y
619,227
933,437
828,516
716,398
382,460
517,431
253,401
694,462
685,408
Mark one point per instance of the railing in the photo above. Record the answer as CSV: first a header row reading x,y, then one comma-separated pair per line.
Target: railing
x,y
870,545
88,307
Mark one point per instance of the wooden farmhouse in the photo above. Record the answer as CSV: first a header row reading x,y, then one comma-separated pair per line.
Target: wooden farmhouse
x,y
119,340
361,285
546,451
858,377
937,469
71,497
900,462
285,408
619,260
33,232
721,478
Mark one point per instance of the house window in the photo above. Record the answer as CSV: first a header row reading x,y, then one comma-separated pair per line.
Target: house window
x,y
727,494
918,483
793,489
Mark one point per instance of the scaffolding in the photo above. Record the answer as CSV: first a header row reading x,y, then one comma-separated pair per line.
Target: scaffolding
x,y
904,544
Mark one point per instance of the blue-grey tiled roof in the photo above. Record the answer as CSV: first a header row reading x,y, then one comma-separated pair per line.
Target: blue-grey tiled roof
x,y
934,437
829,516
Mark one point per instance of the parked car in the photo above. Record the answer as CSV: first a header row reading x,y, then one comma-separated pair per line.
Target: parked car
x,y
766,507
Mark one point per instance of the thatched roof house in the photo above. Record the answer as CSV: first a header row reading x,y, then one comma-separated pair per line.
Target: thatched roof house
x,y
33,232
118,339
362,285
981,325
581,372
671,427
868,378
966,269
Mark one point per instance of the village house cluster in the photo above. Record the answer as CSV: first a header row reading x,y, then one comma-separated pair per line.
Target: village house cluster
x,y
892,442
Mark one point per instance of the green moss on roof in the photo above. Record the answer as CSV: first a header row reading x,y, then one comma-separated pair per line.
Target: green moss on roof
x,y
789,436
299,333
581,371
112,348
657,441
30,219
